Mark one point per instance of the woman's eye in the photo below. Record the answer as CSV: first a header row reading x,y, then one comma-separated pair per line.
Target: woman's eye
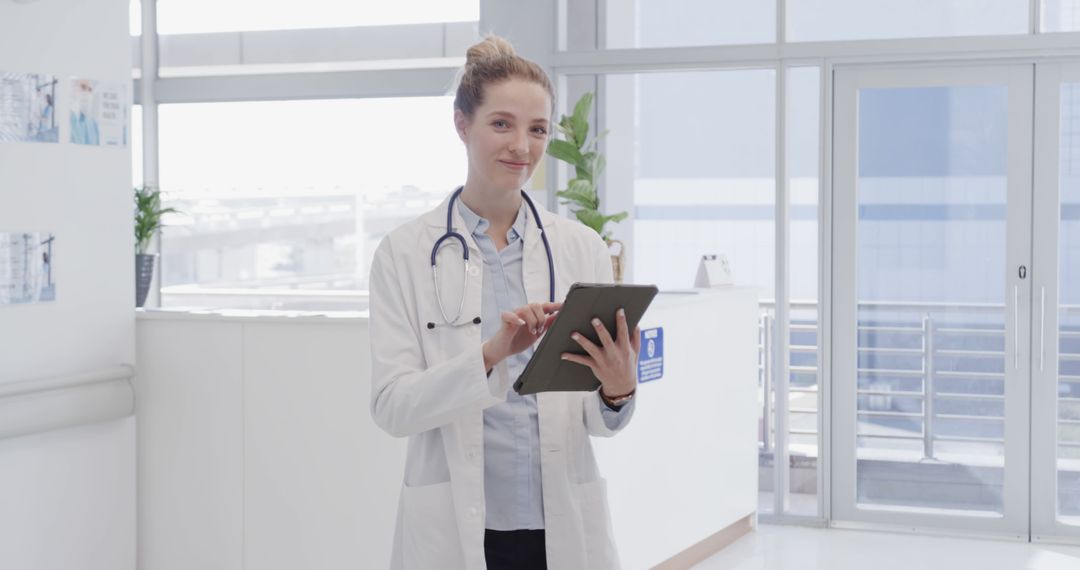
x,y
540,131
500,124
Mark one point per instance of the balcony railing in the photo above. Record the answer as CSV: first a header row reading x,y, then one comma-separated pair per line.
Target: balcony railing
x,y
921,365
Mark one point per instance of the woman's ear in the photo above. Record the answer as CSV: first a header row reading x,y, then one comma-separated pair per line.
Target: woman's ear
x,y
461,123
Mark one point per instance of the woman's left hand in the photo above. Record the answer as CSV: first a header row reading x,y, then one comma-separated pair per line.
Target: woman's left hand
x,y
615,361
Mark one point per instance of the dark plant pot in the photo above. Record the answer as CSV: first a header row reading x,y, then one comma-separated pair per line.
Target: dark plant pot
x,y
144,273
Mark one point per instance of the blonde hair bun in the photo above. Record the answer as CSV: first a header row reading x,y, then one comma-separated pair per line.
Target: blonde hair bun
x,y
492,47
492,61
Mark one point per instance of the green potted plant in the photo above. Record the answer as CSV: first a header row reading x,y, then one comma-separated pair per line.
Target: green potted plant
x,y
148,215
580,194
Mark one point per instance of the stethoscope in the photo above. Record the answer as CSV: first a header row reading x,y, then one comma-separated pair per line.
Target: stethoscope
x,y
450,233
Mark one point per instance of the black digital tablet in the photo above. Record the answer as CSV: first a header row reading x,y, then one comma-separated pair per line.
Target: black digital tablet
x,y
546,370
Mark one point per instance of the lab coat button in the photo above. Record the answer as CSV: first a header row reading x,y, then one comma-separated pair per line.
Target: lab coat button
x,y
474,512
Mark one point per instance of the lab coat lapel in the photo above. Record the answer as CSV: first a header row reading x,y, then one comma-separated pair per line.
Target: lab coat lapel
x,y
534,262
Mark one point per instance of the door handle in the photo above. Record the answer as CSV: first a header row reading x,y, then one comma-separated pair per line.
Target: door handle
x,y
1042,327
1016,327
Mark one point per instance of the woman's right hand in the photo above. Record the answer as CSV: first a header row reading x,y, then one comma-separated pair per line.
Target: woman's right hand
x,y
520,329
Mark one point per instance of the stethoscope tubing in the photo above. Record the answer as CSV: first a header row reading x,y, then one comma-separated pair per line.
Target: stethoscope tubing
x,y
451,234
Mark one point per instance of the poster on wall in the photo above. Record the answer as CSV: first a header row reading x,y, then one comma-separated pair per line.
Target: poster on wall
x,y
28,108
99,113
26,267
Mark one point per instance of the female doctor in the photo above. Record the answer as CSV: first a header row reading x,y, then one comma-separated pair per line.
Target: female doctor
x,y
459,297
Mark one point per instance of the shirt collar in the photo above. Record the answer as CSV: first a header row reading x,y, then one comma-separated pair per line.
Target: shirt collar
x,y
477,226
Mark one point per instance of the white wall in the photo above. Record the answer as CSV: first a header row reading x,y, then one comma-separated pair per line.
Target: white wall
x,y
67,498
81,193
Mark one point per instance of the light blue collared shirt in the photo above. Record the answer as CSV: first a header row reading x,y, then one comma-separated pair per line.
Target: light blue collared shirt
x,y
512,485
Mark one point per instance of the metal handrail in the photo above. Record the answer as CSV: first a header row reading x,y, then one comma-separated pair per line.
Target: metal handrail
x,y
928,333
51,403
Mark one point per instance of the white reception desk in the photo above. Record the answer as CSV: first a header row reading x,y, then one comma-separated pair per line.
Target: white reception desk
x,y
256,449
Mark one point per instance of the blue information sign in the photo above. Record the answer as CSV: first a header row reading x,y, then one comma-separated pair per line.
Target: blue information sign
x,y
651,359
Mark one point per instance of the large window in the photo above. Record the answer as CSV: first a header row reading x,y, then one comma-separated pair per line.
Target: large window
x,y
284,200
686,23
296,194
136,145
703,179
198,38
931,215
205,16
1060,15
704,174
831,20
803,140
678,23
135,17
1068,385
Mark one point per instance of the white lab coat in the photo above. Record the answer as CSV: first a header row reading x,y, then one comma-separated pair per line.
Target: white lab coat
x,y
430,385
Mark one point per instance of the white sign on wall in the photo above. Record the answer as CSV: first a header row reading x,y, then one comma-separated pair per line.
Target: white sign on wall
x,y
28,108
99,113
26,267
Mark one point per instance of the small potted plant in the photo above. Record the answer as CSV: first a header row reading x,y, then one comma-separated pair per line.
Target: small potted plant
x,y
581,153
148,215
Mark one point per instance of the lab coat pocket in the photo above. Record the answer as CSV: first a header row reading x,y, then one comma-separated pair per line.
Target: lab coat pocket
x,y
430,536
596,522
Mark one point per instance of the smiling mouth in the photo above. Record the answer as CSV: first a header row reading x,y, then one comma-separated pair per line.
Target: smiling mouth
x,y
514,164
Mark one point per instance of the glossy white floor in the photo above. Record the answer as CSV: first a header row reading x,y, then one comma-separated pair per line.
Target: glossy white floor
x,y
774,547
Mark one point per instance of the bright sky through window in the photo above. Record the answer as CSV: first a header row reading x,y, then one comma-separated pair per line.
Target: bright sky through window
x,y
206,16
296,148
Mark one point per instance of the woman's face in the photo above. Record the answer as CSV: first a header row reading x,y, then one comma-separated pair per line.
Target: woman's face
x,y
507,135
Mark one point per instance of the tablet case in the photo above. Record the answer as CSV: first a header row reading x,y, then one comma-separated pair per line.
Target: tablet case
x,y
546,370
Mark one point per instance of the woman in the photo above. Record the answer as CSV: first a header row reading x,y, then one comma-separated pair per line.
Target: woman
x,y
494,479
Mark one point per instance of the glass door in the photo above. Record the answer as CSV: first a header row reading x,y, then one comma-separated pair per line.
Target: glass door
x,y
932,212
1055,343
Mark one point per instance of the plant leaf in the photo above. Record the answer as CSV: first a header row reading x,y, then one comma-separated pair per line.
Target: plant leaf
x,y
580,119
581,131
584,186
591,218
565,151
583,105
616,217
580,193
579,201
148,215
589,160
566,127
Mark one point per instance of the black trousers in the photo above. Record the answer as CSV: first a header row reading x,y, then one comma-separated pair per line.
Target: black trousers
x,y
515,550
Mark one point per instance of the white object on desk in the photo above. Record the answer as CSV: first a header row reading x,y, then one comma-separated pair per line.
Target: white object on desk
x,y
713,271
